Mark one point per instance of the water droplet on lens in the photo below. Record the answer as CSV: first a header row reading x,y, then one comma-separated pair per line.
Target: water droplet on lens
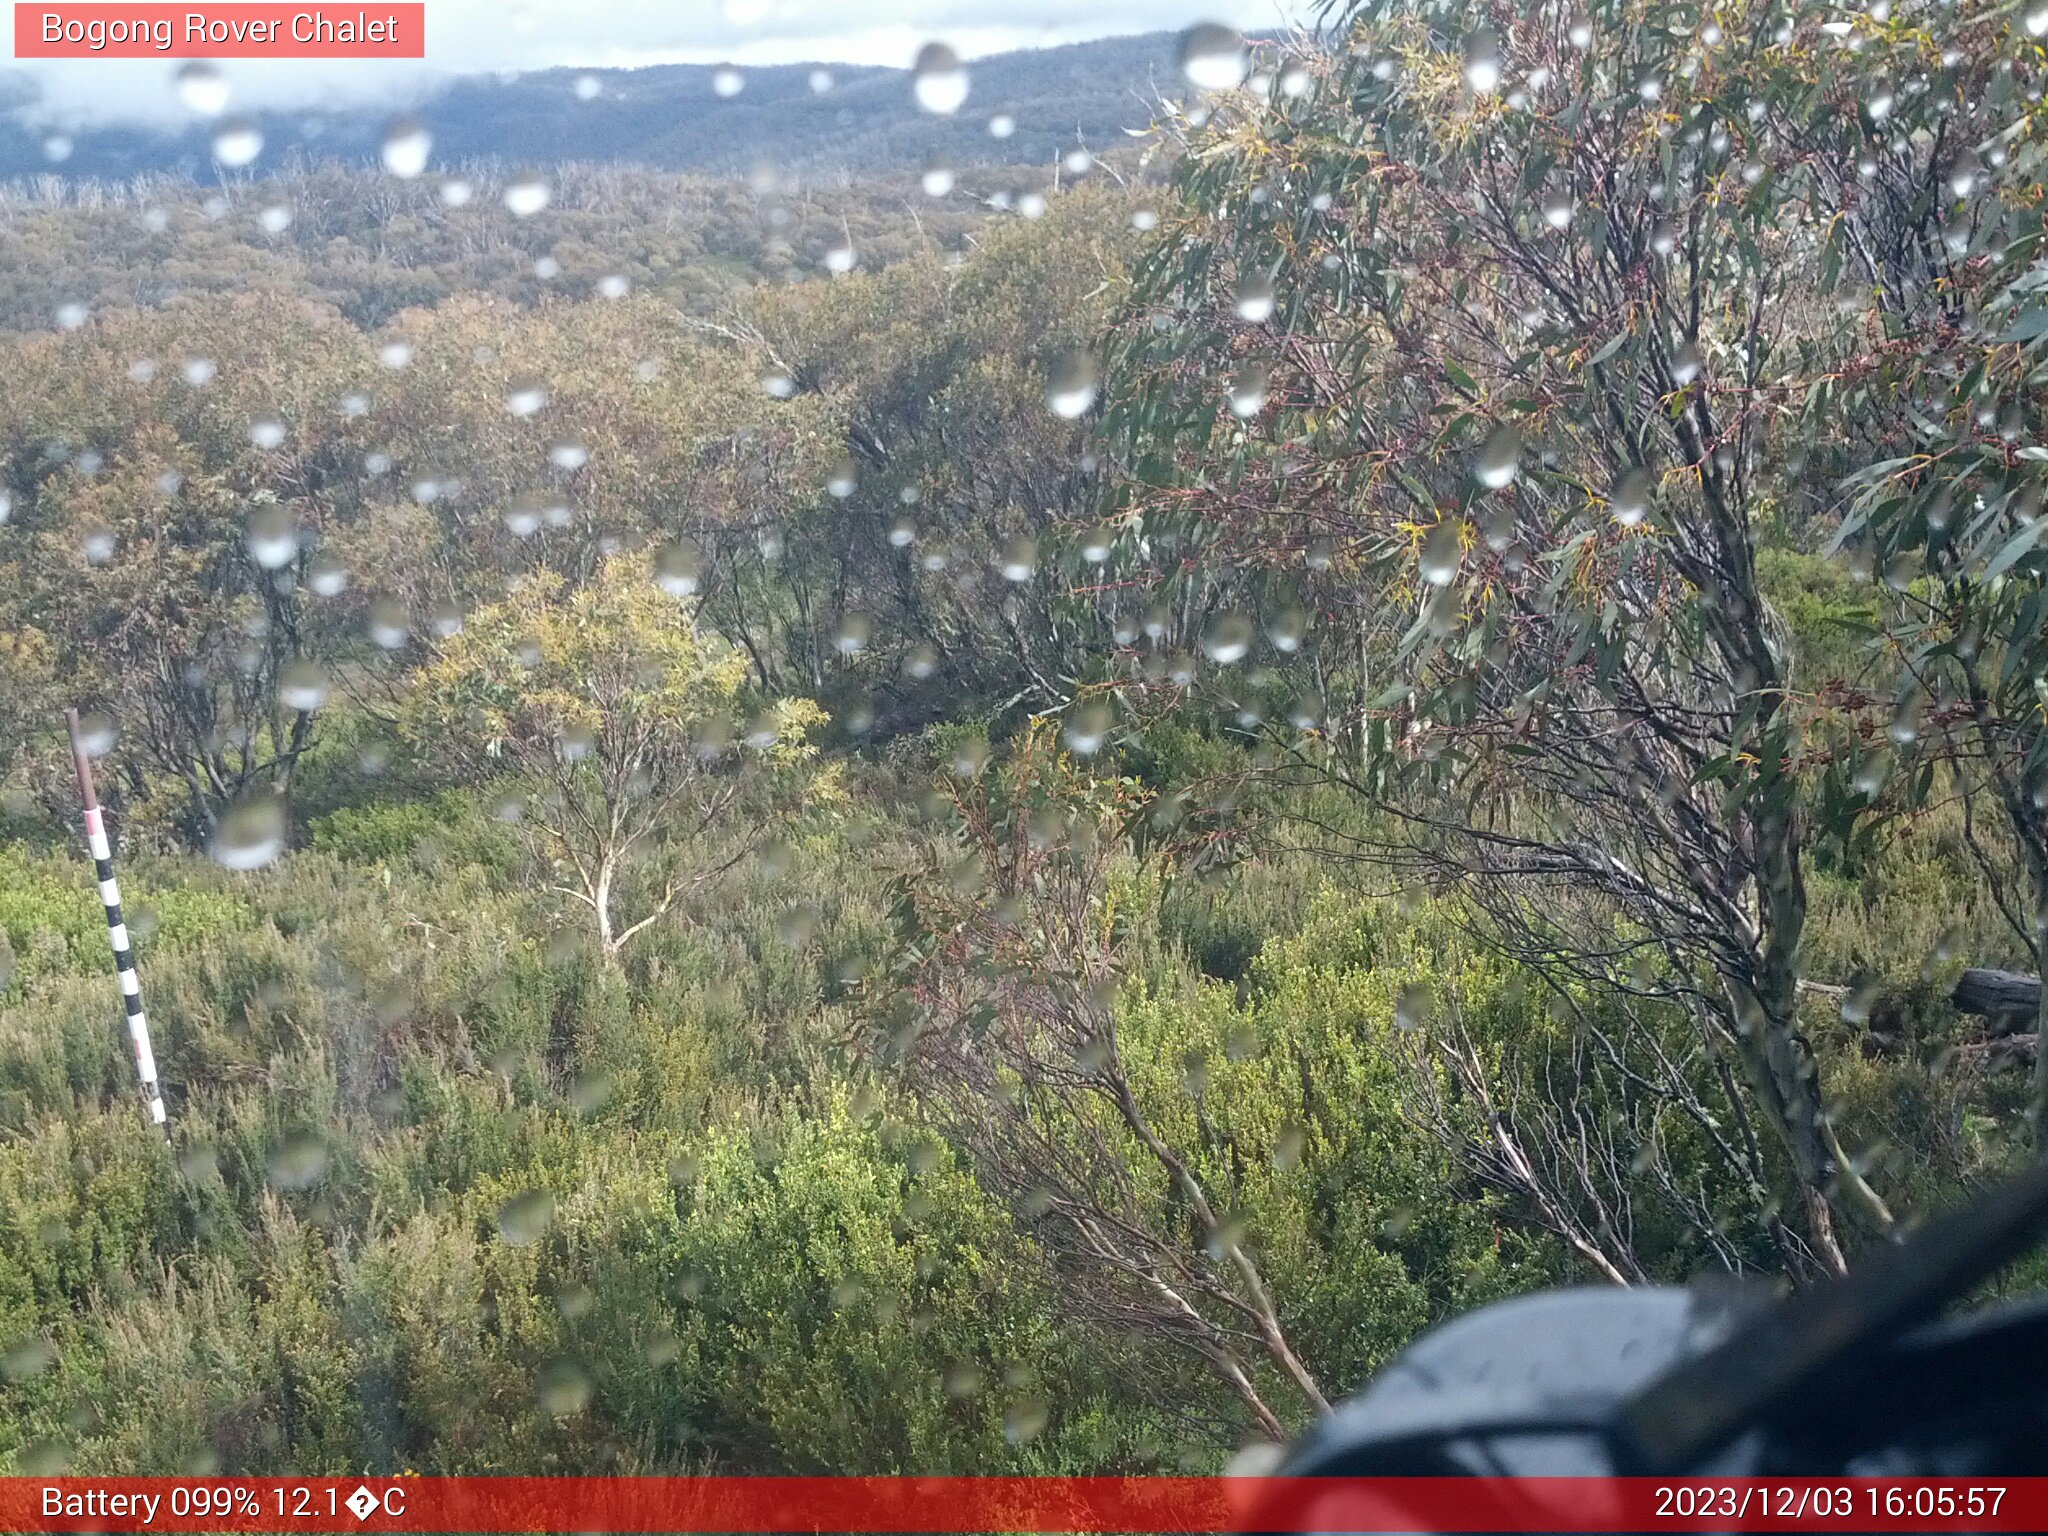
x,y
1904,728
728,82
1632,493
851,636
302,686
1071,385
1483,63
679,568
1965,175
388,623
407,144
1499,457
1248,390
526,397
575,743
526,195
1019,560
273,537
1860,1001
1286,630
1255,298
96,732
1025,1421
1213,57
299,1162
202,88
563,1389
326,576
237,142
1088,727
31,1357
523,1218
1228,639
1413,1005
938,79
251,832
1259,1459
1443,548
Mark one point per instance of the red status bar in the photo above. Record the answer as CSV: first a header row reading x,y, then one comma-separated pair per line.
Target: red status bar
x,y
241,30
1025,1504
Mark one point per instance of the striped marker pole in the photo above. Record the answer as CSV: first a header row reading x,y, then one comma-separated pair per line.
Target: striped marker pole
x,y
117,929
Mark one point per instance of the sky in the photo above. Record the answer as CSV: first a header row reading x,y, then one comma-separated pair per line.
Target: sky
x,y
485,36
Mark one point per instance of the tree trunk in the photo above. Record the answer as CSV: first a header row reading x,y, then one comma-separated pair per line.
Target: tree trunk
x,y
601,900
2038,1105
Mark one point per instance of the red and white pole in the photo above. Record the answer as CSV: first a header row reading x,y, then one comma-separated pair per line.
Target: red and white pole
x,y
117,928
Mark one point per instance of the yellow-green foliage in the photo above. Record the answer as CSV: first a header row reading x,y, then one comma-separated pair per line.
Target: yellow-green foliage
x,y
1293,1101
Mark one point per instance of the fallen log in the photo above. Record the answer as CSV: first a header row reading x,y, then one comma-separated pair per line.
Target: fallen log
x,y
2006,1053
2006,998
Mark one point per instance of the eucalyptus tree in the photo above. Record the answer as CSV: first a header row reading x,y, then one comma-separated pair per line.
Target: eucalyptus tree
x,y
621,738
170,480
1224,1183
1948,400
930,569
1474,365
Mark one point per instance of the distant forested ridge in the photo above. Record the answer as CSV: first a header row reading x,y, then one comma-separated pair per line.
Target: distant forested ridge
x,y
655,185
670,117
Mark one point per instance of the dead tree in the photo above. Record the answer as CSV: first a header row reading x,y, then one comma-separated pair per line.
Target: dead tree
x,y
1006,1030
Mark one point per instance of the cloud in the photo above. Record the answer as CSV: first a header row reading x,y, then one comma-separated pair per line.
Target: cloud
x,y
497,36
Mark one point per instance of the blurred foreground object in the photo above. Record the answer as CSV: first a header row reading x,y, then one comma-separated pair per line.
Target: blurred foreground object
x,y
1859,1376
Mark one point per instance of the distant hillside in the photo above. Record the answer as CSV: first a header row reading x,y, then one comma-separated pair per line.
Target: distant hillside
x,y
671,117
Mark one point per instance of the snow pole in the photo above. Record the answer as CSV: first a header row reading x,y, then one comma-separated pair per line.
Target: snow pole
x,y
117,928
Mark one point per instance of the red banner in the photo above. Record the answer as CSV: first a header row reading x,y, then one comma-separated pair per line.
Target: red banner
x,y
372,30
1033,1504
